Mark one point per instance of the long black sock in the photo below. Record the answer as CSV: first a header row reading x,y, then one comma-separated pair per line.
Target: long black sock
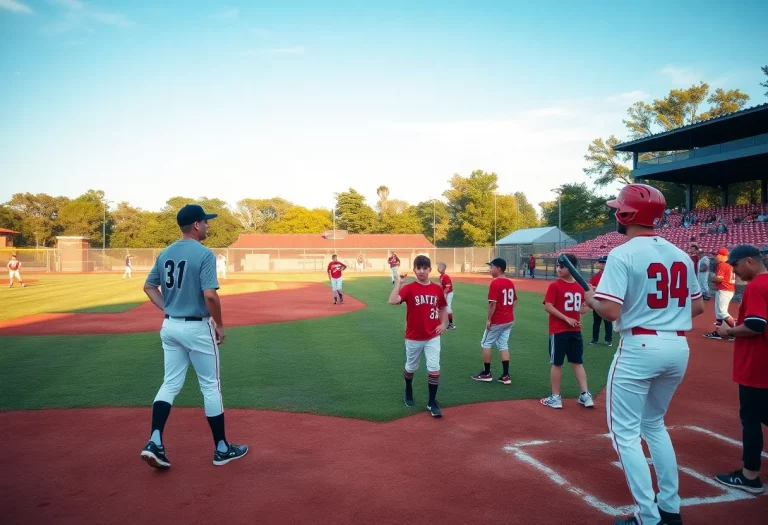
x,y
505,364
217,428
450,318
432,381
487,368
160,412
408,382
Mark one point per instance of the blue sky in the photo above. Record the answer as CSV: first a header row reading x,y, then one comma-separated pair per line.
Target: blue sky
x,y
147,100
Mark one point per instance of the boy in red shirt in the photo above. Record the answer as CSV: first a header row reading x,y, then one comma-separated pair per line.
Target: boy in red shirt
x,y
596,319
750,365
564,302
426,318
725,286
498,325
447,284
334,274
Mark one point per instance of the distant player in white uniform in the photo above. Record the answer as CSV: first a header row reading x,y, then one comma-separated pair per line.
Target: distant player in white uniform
x,y
14,265
183,284
221,266
127,272
704,266
650,291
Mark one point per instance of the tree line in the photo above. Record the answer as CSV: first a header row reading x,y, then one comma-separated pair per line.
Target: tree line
x,y
464,218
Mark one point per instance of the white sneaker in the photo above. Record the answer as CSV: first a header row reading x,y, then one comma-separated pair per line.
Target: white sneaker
x,y
586,400
552,401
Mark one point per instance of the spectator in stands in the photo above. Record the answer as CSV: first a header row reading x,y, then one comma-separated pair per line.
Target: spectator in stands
x,y
532,266
737,220
763,217
721,228
694,218
750,366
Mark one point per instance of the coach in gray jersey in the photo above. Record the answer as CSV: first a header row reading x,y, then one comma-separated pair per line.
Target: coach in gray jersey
x,y
183,284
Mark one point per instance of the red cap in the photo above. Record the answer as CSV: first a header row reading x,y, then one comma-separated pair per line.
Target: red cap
x,y
722,251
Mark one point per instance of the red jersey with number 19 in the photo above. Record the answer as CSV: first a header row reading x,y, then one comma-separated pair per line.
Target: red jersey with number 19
x,y
424,302
567,298
502,292
653,281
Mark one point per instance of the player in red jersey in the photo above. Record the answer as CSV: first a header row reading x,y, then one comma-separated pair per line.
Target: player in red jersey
x,y
334,274
725,287
502,298
564,302
750,365
14,265
447,284
426,318
596,319
394,266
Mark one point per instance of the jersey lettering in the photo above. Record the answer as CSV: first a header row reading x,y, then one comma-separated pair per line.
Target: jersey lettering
x,y
174,274
572,302
508,296
670,283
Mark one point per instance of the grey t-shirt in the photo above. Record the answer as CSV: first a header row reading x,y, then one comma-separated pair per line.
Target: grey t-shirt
x,y
183,271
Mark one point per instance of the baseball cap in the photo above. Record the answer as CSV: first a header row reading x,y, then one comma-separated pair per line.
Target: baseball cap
x,y
722,251
499,263
741,252
192,213
603,259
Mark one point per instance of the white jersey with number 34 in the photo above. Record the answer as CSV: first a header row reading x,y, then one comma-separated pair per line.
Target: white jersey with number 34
x,y
654,282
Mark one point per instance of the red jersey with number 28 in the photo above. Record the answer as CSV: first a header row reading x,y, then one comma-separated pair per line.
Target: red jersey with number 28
x,y
750,354
335,268
424,302
567,298
502,292
653,281
725,271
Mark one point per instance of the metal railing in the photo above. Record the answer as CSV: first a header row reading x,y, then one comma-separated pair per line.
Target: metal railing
x,y
706,151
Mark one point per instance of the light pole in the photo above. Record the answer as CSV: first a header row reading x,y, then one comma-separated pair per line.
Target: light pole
x,y
559,192
104,228
494,221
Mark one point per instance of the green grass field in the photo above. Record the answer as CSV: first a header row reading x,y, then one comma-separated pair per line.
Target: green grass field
x,y
349,365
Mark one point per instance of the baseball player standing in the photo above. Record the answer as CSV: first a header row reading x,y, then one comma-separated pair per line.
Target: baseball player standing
x,y
703,273
650,291
447,284
394,267
750,365
334,274
14,265
221,266
192,331
426,318
502,299
596,319
725,286
127,272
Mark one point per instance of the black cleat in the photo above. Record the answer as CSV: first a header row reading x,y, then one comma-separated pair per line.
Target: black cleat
x,y
233,452
408,399
154,456
434,410
670,518
738,481
483,376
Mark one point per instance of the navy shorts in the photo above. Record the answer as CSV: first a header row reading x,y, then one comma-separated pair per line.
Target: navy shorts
x,y
566,344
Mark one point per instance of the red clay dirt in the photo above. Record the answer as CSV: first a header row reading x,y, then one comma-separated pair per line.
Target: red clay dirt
x,y
82,466
290,302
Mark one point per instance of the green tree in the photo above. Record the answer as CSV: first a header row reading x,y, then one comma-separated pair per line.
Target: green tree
x,y
527,218
399,217
764,69
135,228
470,205
255,215
680,107
641,119
301,220
84,216
724,102
582,209
11,220
606,165
353,214
425,212
383,193
224,229
39,213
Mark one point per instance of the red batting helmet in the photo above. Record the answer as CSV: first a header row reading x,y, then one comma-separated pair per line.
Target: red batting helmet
x,y
639,204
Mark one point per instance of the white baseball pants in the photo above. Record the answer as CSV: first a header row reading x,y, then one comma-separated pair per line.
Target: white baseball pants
x,y
336,284
722,302
14,273
186,342
449,300
127,272
704,283
645,373
395,271
430,349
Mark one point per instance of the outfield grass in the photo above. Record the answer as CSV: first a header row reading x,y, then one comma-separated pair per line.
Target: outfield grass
x,y
349,365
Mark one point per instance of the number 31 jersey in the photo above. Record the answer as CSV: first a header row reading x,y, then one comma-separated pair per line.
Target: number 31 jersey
x,y
502,292
654,282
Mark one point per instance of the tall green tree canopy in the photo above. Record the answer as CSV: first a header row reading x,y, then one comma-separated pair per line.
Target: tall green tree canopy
x,y
764,69
39,214
256,215
353,214
582,209
301,220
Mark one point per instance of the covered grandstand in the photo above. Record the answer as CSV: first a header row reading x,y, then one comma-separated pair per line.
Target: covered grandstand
x,y
715,153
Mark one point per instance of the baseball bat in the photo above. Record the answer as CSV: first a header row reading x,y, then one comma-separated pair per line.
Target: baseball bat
x,y
562,259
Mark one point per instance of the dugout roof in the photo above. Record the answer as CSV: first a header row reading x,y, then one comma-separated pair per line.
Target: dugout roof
x,y
546,235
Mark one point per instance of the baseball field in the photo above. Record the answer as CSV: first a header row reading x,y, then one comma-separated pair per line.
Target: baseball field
x,y
316,391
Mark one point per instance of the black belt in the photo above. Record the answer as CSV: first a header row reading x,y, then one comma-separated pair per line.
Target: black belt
x,y
185,318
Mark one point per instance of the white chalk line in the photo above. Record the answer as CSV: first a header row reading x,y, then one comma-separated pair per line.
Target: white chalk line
x,y
727,495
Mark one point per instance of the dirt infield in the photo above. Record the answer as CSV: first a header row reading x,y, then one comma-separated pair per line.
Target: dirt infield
x,y
503,462
290,302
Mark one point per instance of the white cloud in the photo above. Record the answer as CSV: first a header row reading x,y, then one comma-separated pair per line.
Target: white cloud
x,y
229,13
629,97
80,15
16,7
681,76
